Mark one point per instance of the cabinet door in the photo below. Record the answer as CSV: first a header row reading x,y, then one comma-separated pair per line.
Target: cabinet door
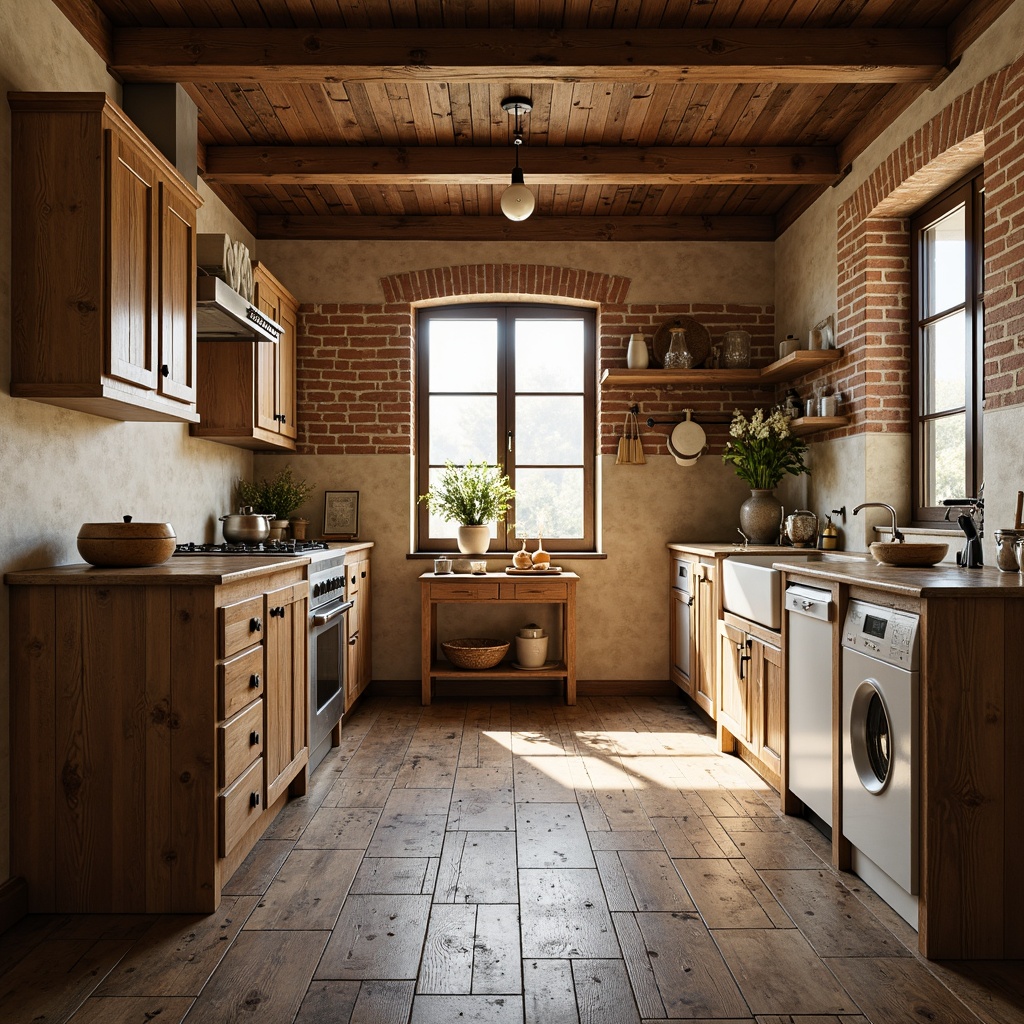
x,y
705,640
177,295
766,677
681,640
734,699
287,399
268,300
362,570
132,194
286,687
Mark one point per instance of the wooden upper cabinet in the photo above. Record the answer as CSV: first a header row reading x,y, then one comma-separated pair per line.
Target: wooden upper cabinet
x,y
247,394
103,283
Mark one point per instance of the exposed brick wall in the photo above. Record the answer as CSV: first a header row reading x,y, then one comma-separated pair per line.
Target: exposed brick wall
x,y
618,322
873,317
355,362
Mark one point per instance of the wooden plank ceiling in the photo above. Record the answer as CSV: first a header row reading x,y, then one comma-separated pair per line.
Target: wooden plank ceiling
x,y
652,119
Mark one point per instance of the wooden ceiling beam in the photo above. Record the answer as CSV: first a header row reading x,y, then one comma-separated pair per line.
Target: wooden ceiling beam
x,y
481,55
573,165
536,229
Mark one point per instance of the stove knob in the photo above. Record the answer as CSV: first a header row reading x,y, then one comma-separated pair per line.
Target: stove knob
x,y
316,589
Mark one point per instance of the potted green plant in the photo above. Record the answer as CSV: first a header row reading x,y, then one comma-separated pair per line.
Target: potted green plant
x,y
762,450
474,496
279,497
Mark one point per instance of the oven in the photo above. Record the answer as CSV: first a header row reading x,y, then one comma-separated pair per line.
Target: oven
x,y
328,610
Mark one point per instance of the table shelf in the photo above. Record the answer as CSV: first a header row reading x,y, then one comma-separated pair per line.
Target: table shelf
x,y
441,669
788,368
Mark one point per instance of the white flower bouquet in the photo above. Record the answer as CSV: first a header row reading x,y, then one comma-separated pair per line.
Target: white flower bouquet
x,y
763,450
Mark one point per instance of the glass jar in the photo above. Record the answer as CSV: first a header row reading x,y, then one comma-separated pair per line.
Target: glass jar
x,y
736,350
678,356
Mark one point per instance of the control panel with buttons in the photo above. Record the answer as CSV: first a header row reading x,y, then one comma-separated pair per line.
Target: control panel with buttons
x,y
888,634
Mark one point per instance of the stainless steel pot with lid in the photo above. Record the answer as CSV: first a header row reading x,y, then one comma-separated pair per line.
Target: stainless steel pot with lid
x,y
246,526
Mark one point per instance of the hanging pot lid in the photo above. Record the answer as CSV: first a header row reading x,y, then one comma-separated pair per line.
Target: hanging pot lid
x,y
687,442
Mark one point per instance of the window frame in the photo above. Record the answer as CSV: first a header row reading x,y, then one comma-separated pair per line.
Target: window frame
x,y
505,314
969,191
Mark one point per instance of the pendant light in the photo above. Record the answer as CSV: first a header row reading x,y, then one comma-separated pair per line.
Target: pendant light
x,y
517,201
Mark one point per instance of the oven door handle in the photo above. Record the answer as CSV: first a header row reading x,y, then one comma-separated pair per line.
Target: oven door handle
x,y
322,618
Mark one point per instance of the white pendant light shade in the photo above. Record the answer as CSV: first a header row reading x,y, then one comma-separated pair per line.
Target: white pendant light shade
x,y
517,201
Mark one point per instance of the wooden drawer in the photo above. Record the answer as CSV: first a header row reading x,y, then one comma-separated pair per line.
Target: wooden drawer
x,y
241,626
463,592
240,805
240,680
540,592
240,742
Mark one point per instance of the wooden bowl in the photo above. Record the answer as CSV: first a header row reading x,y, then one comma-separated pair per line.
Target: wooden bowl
x,y
888,553
475,652
126,544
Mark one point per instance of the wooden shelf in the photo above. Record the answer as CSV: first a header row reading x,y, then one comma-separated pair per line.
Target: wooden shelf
x,y
815,424
442,669
796,364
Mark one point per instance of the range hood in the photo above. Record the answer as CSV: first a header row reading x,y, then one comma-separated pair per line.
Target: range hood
x,y
223,315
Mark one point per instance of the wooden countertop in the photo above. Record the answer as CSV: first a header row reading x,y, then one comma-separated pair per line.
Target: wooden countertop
x,y
178,570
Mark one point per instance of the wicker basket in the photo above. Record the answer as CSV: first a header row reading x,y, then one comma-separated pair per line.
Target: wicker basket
x,y
475,652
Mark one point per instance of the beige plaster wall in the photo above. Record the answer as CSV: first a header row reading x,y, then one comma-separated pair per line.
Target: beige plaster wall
x,y
659,271
622,600
61,468
806,290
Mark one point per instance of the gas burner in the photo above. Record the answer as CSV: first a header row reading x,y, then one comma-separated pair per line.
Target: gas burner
x,y
272,547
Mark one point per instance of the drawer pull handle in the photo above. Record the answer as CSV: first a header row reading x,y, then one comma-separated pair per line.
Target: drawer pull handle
x,y
362,575
277,612
254,799
352,642
165,370
254,738
254,681
255,624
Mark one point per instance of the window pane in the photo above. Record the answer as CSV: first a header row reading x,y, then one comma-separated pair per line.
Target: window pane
x,y
945,464
549,503
463,428
549,430
441,528
549,355
943,355
463,355
945,264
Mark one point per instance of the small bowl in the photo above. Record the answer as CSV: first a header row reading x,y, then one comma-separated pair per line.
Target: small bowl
x,y
475,652
126,544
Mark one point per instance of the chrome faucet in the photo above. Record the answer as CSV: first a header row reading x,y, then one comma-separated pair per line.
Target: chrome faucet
x,y
896,535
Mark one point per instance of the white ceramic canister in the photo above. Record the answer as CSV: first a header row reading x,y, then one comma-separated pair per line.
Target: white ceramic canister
x,y
636,353
531,651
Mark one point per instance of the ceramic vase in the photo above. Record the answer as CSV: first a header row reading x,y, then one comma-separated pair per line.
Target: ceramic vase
x,y
278,529
760,515
636,353
474,540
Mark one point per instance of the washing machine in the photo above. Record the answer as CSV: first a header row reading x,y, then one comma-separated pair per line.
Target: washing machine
x,y
880,751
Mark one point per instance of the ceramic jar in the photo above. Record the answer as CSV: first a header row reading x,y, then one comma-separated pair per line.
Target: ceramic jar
x,y
636,353
760,516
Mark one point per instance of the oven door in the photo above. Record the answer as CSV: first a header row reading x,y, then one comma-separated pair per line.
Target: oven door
x,y
326,678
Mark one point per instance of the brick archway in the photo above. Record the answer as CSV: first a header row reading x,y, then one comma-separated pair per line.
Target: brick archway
x,y
505,279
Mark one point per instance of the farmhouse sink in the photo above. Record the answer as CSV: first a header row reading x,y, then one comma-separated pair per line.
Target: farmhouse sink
x,y
753,589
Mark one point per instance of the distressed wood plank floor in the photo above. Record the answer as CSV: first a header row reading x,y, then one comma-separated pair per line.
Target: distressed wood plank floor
x,y
515,861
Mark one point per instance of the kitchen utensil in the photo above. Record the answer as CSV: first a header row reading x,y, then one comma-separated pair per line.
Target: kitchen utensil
x,y
687,442
698,340
246,526
1006,549
126,544
801,528
637,447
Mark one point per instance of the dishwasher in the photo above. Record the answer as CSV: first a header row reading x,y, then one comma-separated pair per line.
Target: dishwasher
x,y
809,617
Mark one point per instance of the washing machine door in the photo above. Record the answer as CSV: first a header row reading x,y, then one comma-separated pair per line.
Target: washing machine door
x,y
871,737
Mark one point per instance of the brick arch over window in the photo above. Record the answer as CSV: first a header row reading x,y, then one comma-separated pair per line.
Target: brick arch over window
x,y
483,280
873,248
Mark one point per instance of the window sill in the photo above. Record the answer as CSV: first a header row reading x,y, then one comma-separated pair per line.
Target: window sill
x,y
504,556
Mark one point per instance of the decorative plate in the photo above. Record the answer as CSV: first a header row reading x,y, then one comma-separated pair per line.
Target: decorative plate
x,y
698,340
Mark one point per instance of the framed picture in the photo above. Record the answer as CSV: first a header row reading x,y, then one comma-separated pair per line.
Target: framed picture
x,y
341,514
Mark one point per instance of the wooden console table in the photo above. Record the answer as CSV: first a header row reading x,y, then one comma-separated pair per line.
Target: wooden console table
x,y
460,588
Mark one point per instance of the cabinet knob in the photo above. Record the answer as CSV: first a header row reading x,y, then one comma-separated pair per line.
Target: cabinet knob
x,y
254,738
165,370
255,624
254,799
352,642
284,418
254,681
277,612
362,575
